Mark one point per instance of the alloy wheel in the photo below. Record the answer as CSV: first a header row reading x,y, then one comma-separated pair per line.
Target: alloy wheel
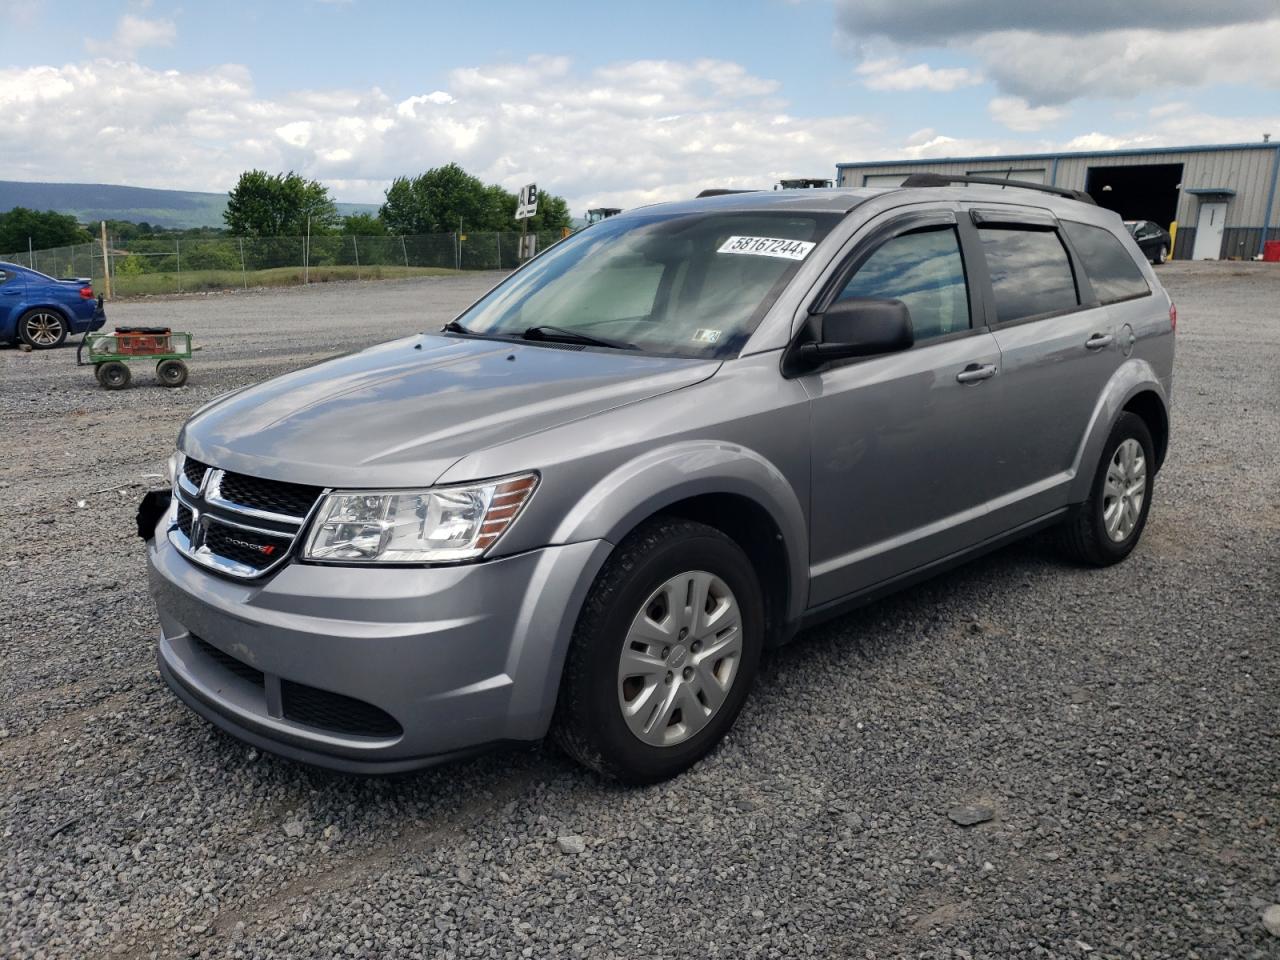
x,y
44,329
680,658
1124,490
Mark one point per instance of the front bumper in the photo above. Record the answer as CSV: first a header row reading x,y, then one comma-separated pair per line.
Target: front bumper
x,y
457,657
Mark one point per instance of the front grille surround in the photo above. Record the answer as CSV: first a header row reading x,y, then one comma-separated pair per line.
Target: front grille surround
x,y
239,540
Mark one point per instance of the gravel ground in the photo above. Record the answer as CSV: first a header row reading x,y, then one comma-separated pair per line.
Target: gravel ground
x,y
1116,730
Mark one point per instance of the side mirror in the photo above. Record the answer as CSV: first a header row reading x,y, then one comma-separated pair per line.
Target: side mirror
x,y
860,327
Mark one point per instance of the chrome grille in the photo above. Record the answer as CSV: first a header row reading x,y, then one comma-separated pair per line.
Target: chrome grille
x,y
237,525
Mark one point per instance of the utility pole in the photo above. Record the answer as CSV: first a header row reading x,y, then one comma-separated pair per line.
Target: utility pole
x,y
106,261
306,255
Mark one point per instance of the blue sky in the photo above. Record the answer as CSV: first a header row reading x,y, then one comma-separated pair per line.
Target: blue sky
x,y
611,103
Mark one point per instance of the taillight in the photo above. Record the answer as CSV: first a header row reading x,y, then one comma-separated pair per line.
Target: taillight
x,y
86,293
1173,317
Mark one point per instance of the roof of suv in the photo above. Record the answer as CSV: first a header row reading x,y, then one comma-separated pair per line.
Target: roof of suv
x,y
844,199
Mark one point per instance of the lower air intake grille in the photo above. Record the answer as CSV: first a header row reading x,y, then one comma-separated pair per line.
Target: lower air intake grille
x,y
333,711
228,662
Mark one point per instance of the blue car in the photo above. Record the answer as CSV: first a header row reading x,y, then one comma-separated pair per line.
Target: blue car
x,y
41,311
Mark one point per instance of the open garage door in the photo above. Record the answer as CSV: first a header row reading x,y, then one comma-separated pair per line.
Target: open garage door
x,y
1147,191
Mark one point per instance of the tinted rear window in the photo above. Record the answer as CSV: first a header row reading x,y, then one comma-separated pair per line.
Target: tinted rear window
x,y
1111,270
1030,272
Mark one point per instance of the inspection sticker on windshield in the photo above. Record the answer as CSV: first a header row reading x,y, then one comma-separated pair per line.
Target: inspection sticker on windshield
x,y
767,247
703,335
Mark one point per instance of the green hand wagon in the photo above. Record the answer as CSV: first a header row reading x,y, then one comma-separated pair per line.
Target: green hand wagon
x,y
111,353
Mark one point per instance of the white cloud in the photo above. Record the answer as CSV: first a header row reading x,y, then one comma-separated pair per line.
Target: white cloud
x,y
1058,68
134,33
624,134
1016,114
1053,53
889,73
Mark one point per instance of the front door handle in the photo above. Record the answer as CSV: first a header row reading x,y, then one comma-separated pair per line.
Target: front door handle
x,y
975,372
1098,341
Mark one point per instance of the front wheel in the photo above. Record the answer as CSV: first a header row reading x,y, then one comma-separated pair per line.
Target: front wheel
x,y
663,655
1161,256
1105,528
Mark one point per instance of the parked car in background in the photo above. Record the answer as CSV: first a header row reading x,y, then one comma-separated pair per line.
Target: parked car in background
x,y
1152,239
41,311
667,443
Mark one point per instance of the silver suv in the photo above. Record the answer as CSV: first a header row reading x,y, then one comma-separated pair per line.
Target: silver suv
x,y
669,442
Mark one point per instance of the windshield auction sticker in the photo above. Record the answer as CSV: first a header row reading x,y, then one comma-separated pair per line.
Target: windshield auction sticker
x,y
767,247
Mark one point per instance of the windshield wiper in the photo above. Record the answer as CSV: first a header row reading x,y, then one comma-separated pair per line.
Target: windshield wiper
x,y
453,326
561,335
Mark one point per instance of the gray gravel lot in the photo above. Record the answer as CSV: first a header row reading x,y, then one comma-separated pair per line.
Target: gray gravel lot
x,y
1121,729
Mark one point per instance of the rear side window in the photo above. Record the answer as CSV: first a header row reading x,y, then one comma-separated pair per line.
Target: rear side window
x,y
1030,272
923,270
1111,270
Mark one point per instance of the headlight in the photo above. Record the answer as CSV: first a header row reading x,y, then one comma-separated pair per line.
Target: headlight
x,y
171,468
441,525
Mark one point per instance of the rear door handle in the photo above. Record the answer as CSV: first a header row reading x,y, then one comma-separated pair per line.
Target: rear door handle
x,y
1098,341
975,372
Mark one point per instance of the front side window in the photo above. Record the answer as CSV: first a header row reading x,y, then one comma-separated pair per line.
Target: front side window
x,y
1030,272
693,285
926,272
1111,269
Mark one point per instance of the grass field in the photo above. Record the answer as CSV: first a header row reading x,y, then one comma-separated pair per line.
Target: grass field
x,y
195,281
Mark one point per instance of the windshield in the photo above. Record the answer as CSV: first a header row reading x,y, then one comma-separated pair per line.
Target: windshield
x,y
691,285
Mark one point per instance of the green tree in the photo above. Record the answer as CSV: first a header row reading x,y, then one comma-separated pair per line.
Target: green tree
x,y
553,213
262,205
45,229
363,225
444,198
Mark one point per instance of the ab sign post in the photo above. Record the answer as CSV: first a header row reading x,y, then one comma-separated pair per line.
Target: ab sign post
x,y
527,207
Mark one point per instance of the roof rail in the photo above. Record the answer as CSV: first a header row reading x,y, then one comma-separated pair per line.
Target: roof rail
x,y
945,180
720,192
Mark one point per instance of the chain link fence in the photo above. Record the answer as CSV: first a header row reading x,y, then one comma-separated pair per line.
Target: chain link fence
x,y
148,266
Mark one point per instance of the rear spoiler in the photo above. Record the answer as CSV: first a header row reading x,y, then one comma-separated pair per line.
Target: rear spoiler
x,y
84,281
945,180
720,192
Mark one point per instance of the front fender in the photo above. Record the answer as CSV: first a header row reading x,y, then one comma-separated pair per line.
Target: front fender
x,y
655,480
1135,376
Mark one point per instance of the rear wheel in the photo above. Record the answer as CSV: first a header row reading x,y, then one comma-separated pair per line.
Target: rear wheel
x,y
1162,255
42,329
114,375
1105,528
172,373
663,655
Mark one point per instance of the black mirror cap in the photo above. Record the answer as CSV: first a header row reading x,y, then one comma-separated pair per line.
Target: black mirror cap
x,y
861,327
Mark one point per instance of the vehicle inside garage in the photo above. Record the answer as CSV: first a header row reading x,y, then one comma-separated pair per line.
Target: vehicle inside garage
x,y
1147,191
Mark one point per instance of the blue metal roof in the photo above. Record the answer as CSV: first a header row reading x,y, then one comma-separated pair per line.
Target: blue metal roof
x,y
1132,152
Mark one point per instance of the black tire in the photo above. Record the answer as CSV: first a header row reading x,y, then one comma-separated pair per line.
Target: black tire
x,y
172,373
589,724
1084,533
1162,255
114,375
42,328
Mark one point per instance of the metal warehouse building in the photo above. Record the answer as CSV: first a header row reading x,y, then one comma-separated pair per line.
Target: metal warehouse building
x,y
1222,198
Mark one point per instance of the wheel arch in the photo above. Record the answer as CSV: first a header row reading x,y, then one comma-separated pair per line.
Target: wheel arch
x,y
1134,388
727,486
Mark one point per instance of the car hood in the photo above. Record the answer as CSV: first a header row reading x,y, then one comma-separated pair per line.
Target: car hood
x,y
403,412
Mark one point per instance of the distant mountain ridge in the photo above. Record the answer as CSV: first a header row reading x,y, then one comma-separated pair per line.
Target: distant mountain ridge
x,y
89,202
